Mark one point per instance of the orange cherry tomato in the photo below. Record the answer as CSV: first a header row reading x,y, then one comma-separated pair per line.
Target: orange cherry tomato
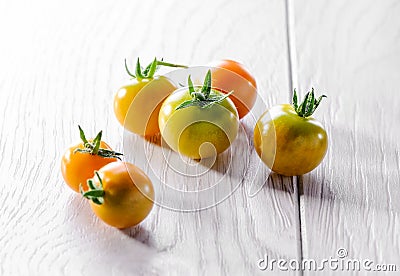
x,y
120,194
229,75
77,166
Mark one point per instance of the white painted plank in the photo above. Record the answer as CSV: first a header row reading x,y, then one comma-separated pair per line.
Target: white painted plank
x,y
60,65
350,50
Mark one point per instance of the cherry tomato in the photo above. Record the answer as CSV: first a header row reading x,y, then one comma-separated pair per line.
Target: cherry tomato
x,y
229,75
80,161
121,194
289,141
137,105
196,124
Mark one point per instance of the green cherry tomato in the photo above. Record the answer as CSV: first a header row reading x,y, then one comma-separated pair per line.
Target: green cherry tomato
x,y
290,143
198,131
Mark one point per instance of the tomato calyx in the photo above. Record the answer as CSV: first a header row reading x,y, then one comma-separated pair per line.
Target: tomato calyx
x,y
309,104
150,70
203,97
94,146
94,193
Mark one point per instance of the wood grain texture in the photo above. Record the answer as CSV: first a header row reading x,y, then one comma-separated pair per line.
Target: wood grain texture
x,y
351,52
60,65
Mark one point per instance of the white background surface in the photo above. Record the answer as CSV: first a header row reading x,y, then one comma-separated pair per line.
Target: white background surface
x,y
61,62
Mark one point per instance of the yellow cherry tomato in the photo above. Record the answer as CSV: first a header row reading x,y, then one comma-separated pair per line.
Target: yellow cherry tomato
x,y
136,106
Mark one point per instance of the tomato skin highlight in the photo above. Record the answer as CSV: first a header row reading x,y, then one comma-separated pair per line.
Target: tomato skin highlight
x,y
128,195
196,131
287,143
78,167
229,75
136,105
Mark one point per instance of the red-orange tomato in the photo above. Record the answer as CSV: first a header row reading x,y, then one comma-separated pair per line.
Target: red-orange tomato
x,y
77,168
229,75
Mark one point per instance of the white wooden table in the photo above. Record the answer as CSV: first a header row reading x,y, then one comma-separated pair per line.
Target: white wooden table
x,y
61,62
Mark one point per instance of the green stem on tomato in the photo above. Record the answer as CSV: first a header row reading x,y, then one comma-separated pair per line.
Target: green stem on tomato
x,y
94,193
202,97
163,63
150,70
309,104
94,146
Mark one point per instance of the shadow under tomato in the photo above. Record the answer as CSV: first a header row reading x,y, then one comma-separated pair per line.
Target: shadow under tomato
x,y
139,233
280,182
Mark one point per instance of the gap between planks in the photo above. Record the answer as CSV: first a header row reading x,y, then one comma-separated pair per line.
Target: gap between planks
x,y
297,181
